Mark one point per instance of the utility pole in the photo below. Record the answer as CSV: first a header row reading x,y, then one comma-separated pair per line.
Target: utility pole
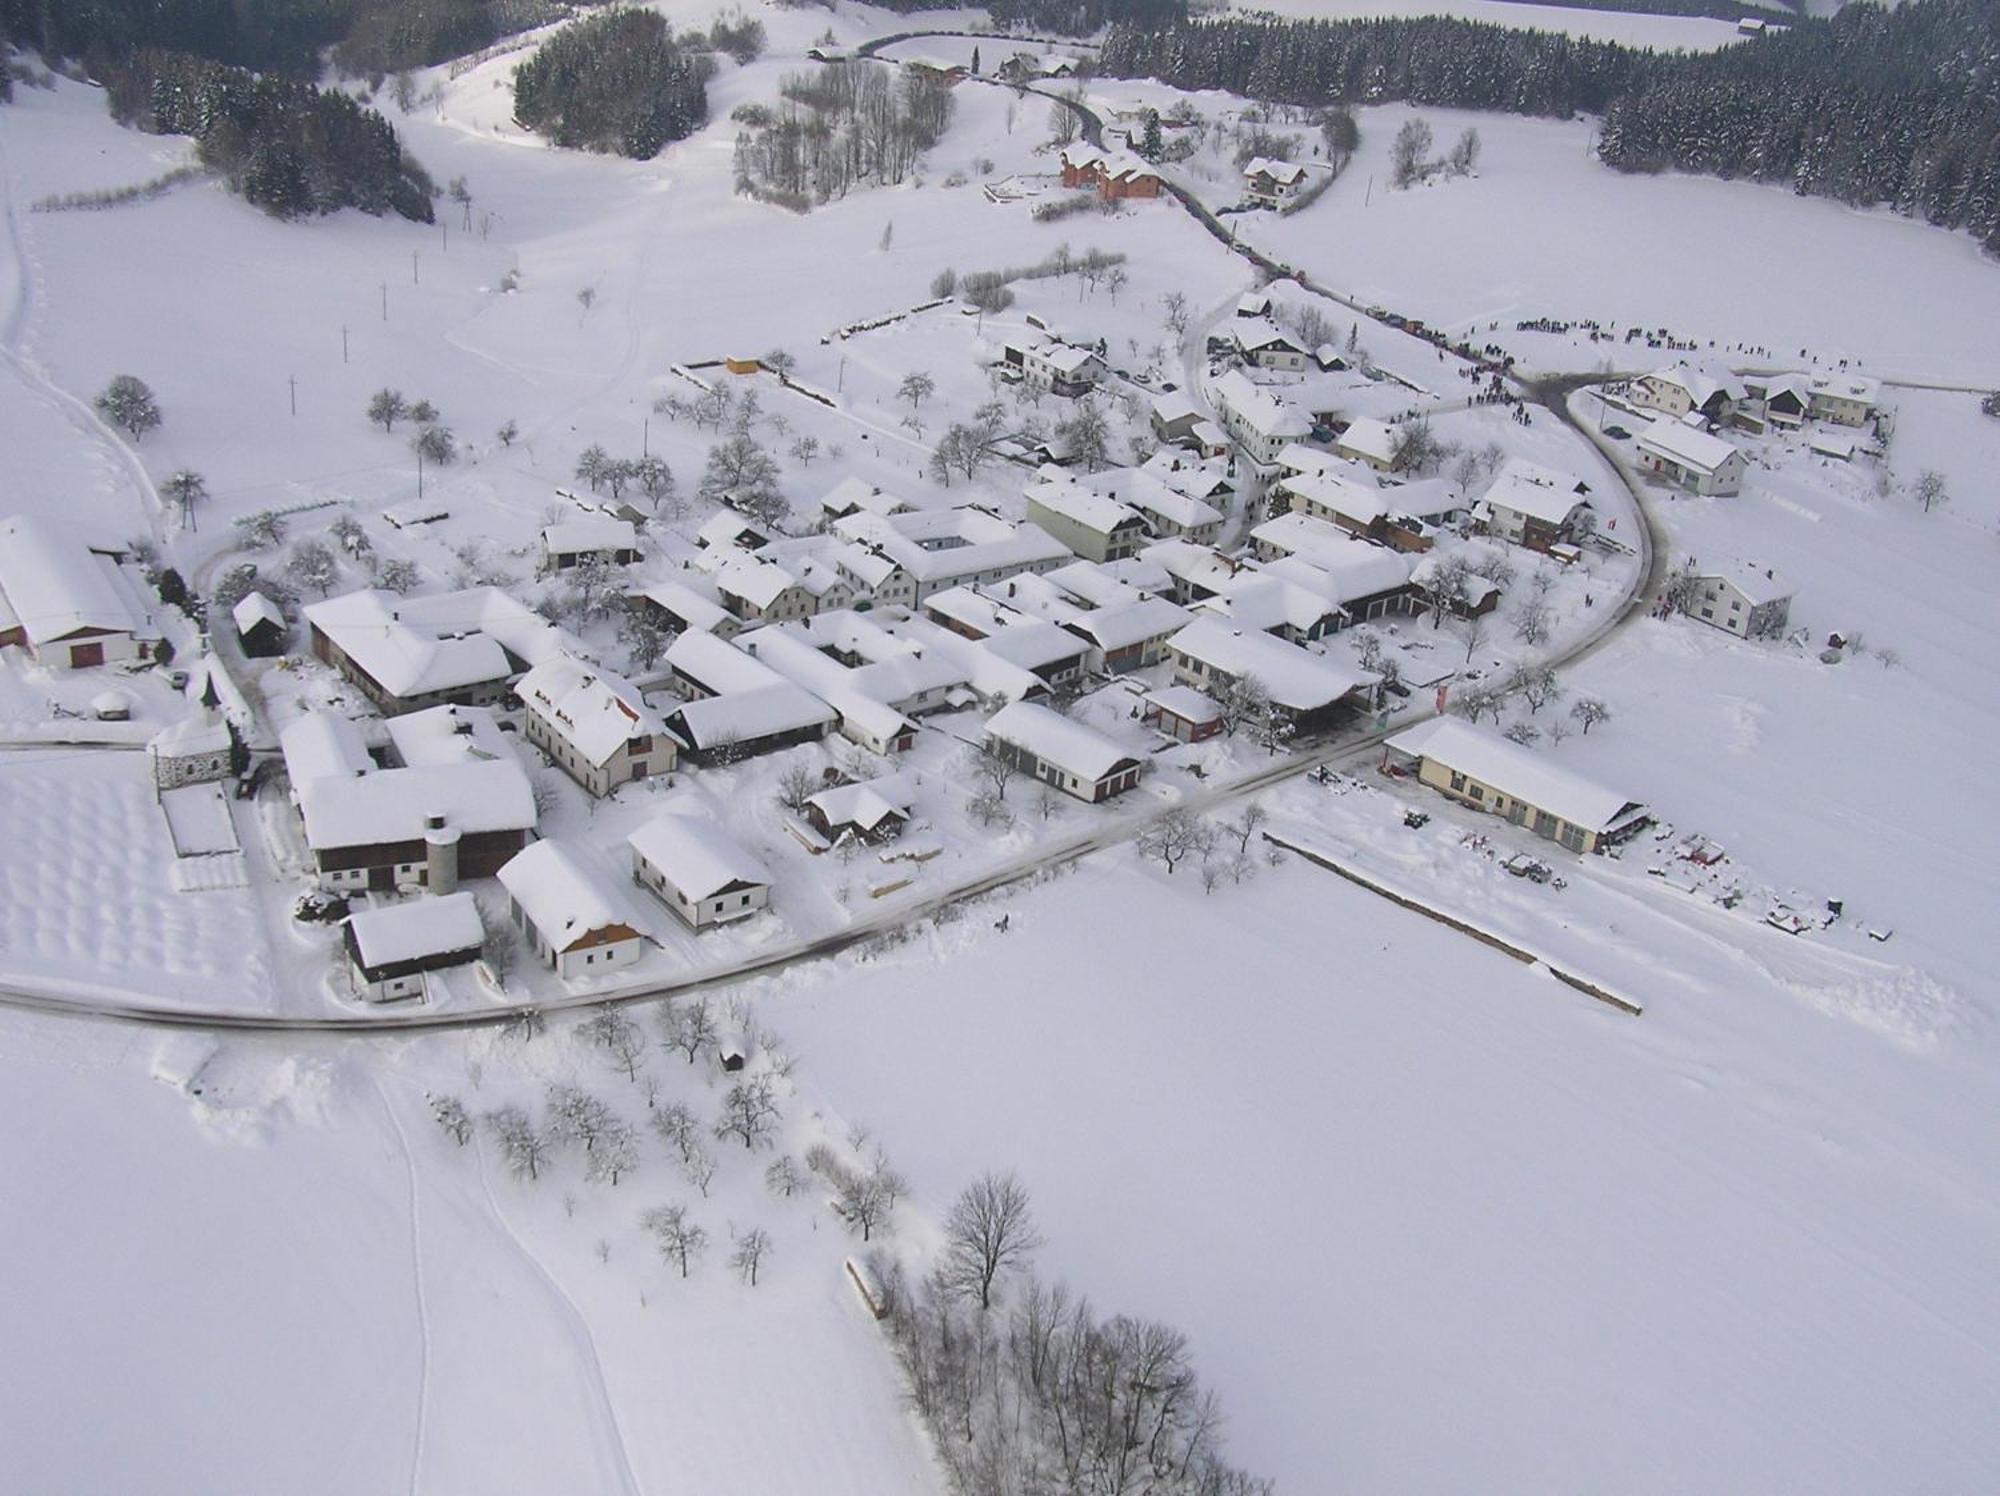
x,y
1365,201
385,301
343,342
646,437
444,227
293,381
416,278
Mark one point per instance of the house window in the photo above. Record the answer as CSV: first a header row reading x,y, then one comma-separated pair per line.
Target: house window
x,y
1478,792
1458,781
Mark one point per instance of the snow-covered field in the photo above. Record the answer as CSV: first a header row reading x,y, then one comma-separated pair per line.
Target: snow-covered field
x,y
1434,1221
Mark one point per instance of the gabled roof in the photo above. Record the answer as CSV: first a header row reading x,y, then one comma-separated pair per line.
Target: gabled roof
x,y
592,710
1758,584
1259,409
412,646
1055,739
562,895
1065,497
1254,334
1372,438
696,856
692,607
255,608
868,803
1686,446
1277,171
423,927
758,582
323,745
726,528
1336,493
1518,772
447,735
1123,625
56,584
1294,679
588,533
1536,491
390,805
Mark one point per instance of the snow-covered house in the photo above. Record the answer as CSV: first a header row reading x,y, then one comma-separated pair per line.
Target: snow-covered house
x,y
1272,184
1262,423
687,605
1129,635
1095,526
1182,713
865,699
698,870
856,495
1328,498
869,811
1369,441
261,628
1846,399
737,706
589,537
755,590
1209,477
1312,691
1681,390
727,530
593,725
407,653
458,806
575,921
1170,513
1262,342
1751,602
963,547
1478,767
1535,506
68,600
1781,400
391,950
1048,363
198,749
1174,416
1695,460
1113,175
1067,755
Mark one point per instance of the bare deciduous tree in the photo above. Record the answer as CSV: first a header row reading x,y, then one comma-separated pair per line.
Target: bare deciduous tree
x,y
1589,711
751,1248
749,1112
679,1239
521,1144
450,1114
990,1230
624,1045
1174,836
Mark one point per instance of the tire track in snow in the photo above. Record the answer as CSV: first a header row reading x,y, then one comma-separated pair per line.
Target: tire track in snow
x,y
417,1278
611,1437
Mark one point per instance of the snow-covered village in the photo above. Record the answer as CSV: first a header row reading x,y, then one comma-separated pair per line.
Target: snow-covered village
x,y
1126,747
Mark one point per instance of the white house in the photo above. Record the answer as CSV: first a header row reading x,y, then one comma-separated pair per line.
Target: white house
x,y
1369,441
698,870
406,653
575,921
1535,506
1478,767
589,537
963,547
1272,184
1847,399
1262,342
1095,526
1260,422
392,950
1751,602
593,725
1212,655
1053,365
69,601
1679,390
1691,459
1066,755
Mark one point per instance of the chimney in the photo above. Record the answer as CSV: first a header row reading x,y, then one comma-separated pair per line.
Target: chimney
x,y
440,854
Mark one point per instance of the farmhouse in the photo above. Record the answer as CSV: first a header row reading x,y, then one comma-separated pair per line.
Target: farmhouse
x,y
69,601
861,700
390,951
1174,416
1262,423
459,807
940,548
261,628
698,870
1272,184
737,706
1208,477
589,537
936,70
593,725
1750,602
1096,527
1069,756
1169,512
455,647
1371,442
1845,399
1309,689
1053,365
1681,390
1262,342
1535,506
759,591
575,921
1691,459
1781,400
1480,768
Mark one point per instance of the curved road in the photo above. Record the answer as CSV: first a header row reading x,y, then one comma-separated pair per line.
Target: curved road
x,y
1552,391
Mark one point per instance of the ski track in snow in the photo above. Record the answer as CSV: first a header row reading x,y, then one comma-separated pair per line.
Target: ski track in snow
x,y
417,1281
611,1437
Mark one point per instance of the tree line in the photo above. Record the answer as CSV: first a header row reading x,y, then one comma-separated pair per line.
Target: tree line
x,y
843,125
288,147
618,82
1892,108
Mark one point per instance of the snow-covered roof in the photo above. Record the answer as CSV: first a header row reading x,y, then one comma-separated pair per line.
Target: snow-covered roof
x,y
693,608
1840,444
1175,405
1685,445
868,803
1195,565
1336,493
55,584
256,608
758,582
1277,171
323,745
1259,409
592,710
412,646
1373,439
696,856
1070,500
851,493
1093,584
744,716
447,735
1184,702
1253,334
726,528
1539,492
937,547
1699,387
390,805
412,931
194,736
1848,387
1032,643
1293,678
1253,304
562,895
589,533
1518,772
1259,600
1345,574
1199,478
1758,584
716,665
1123,625
1055,739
